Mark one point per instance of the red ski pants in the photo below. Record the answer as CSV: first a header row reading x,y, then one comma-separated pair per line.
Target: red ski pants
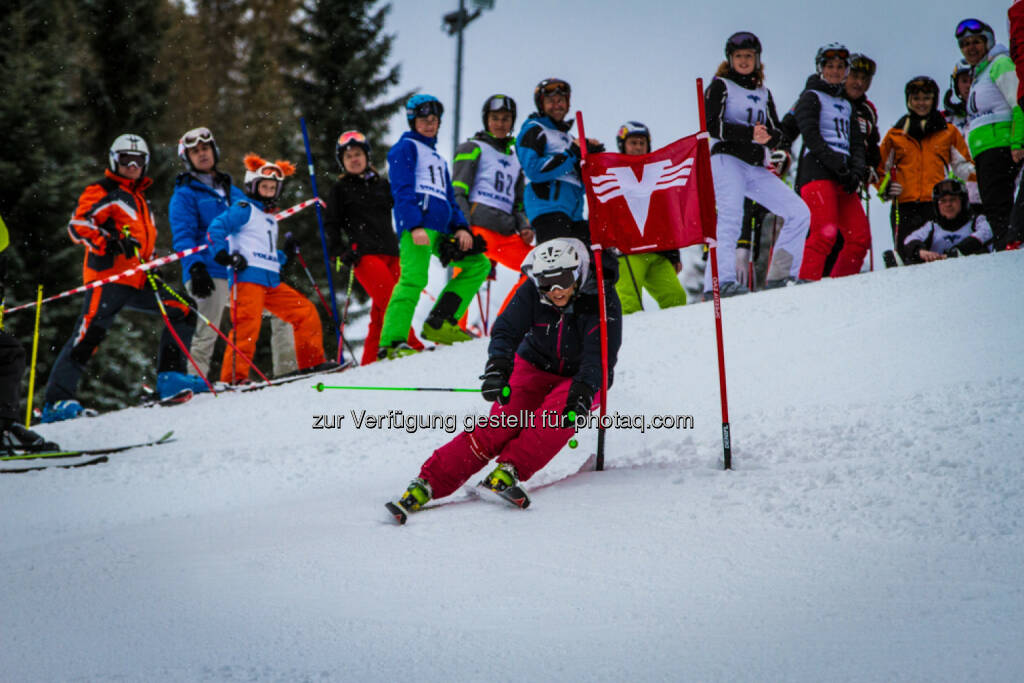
x,y
285,303
537,401
834,212
509,251
378,273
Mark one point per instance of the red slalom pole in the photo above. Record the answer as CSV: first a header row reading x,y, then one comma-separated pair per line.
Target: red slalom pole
x,y
707,217
216,329
603,316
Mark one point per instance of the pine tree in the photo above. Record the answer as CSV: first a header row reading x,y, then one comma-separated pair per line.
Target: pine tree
x,y
41,159
340,78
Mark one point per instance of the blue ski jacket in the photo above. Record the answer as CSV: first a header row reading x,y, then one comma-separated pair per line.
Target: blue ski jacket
x,y
231,222
551,164
415,209
193,207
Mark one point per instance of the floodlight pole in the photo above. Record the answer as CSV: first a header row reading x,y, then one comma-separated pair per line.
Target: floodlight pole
x,y
455,23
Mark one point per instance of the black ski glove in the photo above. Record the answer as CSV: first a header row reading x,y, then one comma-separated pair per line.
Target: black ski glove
x,y
580,398
968,245
350,257
495,377
448,249
121,244
234,261
849,181
290,248
202,283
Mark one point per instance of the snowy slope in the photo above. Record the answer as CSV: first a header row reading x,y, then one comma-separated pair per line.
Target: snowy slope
x,y
872,529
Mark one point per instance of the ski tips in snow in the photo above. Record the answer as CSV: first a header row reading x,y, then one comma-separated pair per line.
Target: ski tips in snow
x,y
397,512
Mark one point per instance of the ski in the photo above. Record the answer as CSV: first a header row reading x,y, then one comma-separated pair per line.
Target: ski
x,y
28,455
397,512
90,460
288,379
183,396
513,495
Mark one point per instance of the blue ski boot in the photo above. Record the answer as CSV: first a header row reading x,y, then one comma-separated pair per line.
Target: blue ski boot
x,y
171,383
59,411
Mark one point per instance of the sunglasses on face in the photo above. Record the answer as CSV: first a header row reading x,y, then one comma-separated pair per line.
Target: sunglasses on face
x,y
127,159
351,136
195,136
969,26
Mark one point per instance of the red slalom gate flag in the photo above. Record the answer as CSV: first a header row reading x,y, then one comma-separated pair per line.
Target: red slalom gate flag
x,y
647,202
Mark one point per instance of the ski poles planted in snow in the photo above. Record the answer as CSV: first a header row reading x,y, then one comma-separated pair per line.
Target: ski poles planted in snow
x,y
216,329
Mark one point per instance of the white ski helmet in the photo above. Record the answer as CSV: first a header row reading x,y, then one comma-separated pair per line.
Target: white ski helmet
x,y
134,149
558,264
193,138
831,51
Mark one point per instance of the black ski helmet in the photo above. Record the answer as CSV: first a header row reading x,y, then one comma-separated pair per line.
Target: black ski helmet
x,y
632,129
923,84
742,40
950,186
550,86
499,103
350,138
862,63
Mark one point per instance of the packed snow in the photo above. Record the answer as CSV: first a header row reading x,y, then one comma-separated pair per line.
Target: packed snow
x,y
872,528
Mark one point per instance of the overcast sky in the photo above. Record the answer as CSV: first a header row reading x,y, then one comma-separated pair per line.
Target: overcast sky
x,y
639,60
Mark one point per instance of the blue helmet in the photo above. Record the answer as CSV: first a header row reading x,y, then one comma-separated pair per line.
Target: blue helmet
x,y
422,105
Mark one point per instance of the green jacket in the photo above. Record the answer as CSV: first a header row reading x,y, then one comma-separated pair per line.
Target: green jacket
x,y
996,120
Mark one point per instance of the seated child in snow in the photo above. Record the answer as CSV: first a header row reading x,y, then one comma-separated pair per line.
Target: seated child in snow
x,y
953,231
244,238
545,360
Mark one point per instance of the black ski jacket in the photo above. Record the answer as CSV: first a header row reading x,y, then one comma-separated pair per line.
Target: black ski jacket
x,y
733,138
564,342
359,212
818,161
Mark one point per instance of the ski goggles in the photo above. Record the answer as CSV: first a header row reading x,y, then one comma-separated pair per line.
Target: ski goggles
x,y
431,108
835,53
556,279
127,159
863,64
947,188
744,40
553,86
969,27
269,171
500,103
195,136
922,85
352,137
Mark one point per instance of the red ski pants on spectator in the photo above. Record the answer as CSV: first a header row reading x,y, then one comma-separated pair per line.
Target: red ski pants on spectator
x,y
378,273
834,212
536,402
287,304
508,250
